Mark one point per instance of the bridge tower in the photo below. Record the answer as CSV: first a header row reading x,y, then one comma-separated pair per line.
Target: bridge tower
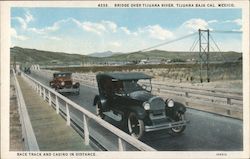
x,y
204,54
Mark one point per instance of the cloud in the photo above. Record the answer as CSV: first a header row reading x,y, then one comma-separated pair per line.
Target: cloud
x,y
212,21
18,37
21,21
235,21
127,31
28,17
195,24
24,21
238,21
52,38
110,25
98,28
115,44
157,32
102,27
56,26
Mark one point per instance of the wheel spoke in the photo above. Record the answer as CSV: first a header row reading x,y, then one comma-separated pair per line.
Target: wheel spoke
x,y
135,126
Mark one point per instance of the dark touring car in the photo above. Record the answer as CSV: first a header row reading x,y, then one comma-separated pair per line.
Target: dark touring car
x,y
127,97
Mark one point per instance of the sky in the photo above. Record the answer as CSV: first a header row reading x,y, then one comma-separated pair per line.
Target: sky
x,y
89,30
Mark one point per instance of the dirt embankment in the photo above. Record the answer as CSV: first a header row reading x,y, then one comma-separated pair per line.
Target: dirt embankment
x,y
221,75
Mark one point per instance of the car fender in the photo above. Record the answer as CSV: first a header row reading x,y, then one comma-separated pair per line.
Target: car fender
x,y
52,84
76,85
179,107
96,99
99,98
139,111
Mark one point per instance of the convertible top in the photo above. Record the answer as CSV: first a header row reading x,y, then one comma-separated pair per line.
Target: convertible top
x,y
123,75
60,74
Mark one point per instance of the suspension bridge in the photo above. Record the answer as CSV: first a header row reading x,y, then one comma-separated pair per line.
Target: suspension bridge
x,y
206,45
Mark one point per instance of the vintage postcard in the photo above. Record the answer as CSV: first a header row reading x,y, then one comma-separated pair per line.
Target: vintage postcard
x,y
124,79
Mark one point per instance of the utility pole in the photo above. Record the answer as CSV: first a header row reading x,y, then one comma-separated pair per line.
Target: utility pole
x,y
204,54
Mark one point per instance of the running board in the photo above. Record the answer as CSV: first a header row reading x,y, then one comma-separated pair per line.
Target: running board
x,y
113,116
166,125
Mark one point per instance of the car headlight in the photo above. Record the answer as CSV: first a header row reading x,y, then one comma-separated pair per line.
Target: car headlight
x,y
170,102
146,105
62,83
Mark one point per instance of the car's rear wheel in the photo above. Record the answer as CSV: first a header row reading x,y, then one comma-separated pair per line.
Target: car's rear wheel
x,y
135,126
99,111
178,130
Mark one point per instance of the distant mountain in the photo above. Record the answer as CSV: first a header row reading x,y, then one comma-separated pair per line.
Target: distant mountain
x,y
104,54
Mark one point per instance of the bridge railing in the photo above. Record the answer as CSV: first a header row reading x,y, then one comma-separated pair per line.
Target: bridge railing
x,y
64,106
30,142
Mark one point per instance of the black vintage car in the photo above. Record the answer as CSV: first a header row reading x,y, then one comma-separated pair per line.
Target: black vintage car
x,y
27,70
127,97
62,82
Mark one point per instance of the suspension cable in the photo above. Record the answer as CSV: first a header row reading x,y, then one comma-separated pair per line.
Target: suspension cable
x,y
226,31
167,42
194,44
218,48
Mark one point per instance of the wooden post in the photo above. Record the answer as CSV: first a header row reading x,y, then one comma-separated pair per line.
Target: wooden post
x,y
49,98
57,105
34,85
121,145
86,129
187,95
40,90
37,88
44,94
68,115
230,103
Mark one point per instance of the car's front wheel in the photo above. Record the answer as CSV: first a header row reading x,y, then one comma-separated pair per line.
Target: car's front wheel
x,y
135,126
178,130
99,111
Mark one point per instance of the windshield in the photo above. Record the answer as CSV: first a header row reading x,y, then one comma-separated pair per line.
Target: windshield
x,y
68,75
137,85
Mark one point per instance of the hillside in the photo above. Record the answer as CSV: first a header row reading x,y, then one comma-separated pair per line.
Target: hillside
x,y
47,57
159,54
23,55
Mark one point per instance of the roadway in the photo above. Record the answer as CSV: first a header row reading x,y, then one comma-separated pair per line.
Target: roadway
x,y
205,132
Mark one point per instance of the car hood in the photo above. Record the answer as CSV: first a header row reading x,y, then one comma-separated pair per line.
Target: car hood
x,y
141,95
156,103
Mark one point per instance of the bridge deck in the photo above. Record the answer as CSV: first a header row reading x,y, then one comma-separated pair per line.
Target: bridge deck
x,y
51,131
